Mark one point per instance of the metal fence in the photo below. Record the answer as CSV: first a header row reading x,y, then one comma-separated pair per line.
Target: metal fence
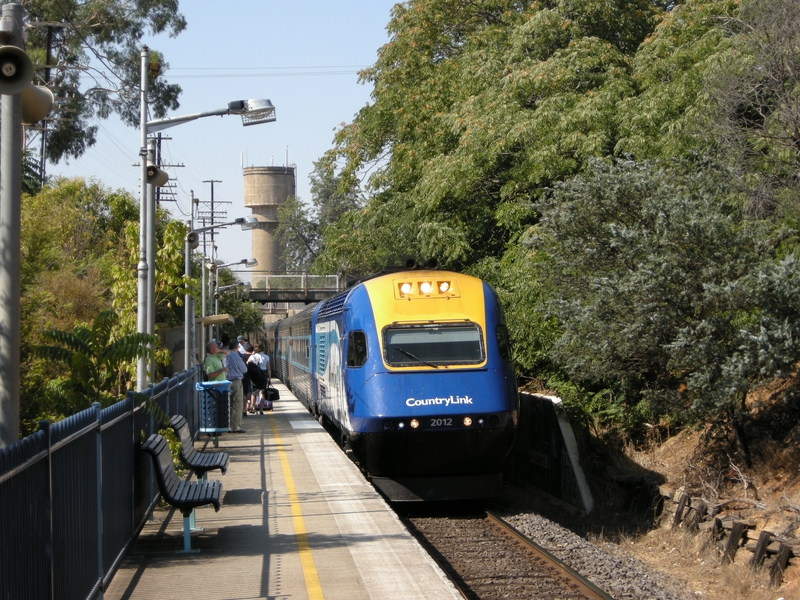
x,y
75,494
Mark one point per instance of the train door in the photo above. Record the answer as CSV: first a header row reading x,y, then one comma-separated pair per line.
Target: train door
x,y
330,385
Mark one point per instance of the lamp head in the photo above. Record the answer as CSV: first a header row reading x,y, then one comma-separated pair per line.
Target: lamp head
x,y
253,112
250,262
247,222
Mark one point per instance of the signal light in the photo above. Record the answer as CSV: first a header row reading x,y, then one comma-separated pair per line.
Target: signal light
x,y
414,423
467,421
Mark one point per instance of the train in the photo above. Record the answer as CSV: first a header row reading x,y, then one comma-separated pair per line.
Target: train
x,y
412,370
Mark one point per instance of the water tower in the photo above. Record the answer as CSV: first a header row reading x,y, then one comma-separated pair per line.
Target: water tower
x,y
265,190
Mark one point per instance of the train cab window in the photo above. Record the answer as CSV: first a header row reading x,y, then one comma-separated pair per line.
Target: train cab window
x,y
434,345
356,349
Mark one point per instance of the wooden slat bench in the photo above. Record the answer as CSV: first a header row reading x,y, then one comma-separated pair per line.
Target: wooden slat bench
x,y
199,462
183,495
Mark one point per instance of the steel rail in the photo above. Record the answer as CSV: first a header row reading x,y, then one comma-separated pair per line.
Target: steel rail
x,y
586,587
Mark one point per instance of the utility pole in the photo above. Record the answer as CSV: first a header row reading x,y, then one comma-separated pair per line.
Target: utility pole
x,y
213,213
213,257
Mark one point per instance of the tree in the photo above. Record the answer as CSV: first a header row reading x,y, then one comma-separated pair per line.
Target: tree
x,y
664,292
478,107
74,266
92,63
754,86
301,229
298,234
94,360
169,279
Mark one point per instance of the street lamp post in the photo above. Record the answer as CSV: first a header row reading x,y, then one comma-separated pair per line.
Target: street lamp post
x,y
253,112
246,223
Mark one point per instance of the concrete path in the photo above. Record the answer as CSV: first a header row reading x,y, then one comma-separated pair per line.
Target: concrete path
x,y
297,521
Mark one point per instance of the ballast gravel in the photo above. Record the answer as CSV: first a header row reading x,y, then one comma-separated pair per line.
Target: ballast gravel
x,y
622,578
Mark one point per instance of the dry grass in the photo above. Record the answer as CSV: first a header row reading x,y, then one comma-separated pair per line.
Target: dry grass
x,y
695,561
684,460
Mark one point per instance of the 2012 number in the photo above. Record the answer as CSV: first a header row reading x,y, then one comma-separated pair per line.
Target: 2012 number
x,y
444,422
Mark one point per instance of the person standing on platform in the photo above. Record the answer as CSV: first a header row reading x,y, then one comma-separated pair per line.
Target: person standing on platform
x,y
212,365
236,370
264,364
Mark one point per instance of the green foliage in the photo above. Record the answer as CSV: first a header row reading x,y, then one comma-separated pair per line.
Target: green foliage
x,y
663,292
68,241
477,108
109,32
94,359
72,251
298,234
169,280
31,173
300,228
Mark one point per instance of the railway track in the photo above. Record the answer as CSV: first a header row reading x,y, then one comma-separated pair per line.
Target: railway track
x,y
486,558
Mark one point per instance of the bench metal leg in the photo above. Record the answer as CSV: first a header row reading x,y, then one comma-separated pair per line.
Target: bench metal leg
x,y
187,537
193,525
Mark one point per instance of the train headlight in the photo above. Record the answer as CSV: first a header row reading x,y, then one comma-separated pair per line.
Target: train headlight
x,y
401,425
414,423
426,287
467,421
481,422
406,289
387,425
444,286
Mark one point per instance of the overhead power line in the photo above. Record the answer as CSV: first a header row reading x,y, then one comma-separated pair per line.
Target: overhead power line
x,y
250,72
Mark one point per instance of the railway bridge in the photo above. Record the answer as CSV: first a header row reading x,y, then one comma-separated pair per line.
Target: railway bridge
x,y
291,286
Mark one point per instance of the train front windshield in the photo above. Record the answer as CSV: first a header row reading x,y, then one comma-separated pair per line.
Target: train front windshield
x,y
434,345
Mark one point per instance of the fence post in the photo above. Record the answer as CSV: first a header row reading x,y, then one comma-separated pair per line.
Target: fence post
x,y
132,403
44,426
99,473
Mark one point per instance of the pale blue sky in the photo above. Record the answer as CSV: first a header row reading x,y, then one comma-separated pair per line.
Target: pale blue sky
x,y
303,55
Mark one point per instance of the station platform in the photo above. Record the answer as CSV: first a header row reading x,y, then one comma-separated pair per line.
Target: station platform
x,y
298,520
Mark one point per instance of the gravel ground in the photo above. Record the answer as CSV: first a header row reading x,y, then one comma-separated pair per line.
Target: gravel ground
x,y
622,577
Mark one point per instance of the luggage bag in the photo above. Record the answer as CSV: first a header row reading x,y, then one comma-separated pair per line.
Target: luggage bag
x,y
263,402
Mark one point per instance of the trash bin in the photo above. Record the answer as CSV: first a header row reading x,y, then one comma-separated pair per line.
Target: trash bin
x,y
214,401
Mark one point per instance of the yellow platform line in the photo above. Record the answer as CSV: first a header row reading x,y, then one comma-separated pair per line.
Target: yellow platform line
x,y
303,548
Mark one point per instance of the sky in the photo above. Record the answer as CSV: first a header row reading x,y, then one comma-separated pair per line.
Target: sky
x,y
303,55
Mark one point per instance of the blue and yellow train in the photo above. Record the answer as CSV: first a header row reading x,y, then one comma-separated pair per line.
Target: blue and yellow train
x,y
412,368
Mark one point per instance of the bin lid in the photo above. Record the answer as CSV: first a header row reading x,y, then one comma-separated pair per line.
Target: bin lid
x,y
222,386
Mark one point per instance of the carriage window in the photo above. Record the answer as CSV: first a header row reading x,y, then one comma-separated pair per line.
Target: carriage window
x,y
434,345
356,349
